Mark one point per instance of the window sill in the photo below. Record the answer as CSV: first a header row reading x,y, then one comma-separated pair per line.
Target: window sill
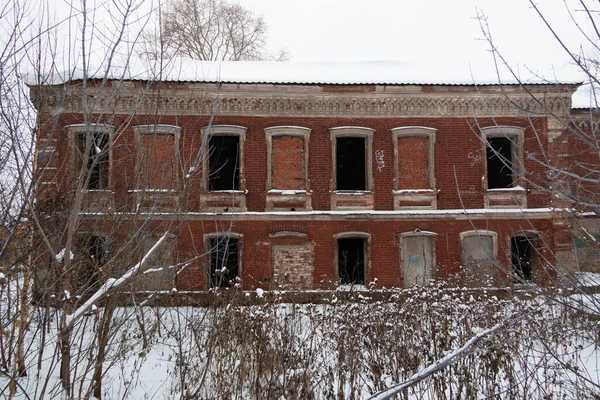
x,y
155,199
98,199
288,200
415,199
506,198
352,200
223,201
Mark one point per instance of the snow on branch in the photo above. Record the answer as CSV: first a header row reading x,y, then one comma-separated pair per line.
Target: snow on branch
x,y
112,283
436,366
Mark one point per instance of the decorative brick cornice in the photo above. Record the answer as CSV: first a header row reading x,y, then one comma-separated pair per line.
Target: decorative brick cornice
x,y
309,101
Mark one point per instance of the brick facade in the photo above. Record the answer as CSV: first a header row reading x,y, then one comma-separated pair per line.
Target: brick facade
x,y
287,213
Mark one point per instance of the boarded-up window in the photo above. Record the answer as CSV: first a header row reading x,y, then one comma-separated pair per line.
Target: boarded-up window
x,y
417,260
224,262
293,266
287,167
158,161
94,145
478,260
413,159
158,274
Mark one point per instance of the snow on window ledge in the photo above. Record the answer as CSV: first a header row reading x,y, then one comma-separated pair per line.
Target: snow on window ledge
x,y
510,189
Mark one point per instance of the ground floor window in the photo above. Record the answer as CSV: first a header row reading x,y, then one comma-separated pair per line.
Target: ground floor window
x,y
522,258
351,261
417,259
224,262
90,257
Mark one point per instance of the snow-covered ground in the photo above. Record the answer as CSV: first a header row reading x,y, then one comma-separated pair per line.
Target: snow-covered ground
x,y
545,347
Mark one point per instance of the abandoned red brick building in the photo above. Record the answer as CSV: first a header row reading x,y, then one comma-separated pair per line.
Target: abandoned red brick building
x,y
277,179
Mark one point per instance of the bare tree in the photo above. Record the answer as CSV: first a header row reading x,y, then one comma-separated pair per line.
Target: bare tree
x,y
211,30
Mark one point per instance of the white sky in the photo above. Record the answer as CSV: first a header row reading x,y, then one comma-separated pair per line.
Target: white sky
x,y
440,33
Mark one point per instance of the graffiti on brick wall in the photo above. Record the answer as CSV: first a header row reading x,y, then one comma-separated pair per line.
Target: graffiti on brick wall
x,y
379,158
475,158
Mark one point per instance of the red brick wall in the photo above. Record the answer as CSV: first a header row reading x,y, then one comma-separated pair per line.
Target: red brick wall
x,y
384,250
413,162
288,162
459,168
158,161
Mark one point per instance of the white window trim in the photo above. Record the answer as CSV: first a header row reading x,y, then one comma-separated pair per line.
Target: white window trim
x,y
297,131
75,130
223,130
516,135
353,131
415,131
159,129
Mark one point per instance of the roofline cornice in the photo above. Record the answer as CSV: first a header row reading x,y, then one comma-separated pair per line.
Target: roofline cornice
x,y
273,100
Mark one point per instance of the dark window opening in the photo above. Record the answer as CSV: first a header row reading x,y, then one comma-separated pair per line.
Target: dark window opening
x,y
351,261
224,170
97,161
223,262
499,163
90,258
351,166
522,258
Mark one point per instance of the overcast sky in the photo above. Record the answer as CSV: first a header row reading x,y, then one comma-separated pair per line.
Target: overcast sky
x,y
440,33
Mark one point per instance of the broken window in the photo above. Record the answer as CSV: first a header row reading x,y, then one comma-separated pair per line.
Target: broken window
x,y
522,258
89,258
224,262
224,169
417,259
351,163
351,261
95,145
500,163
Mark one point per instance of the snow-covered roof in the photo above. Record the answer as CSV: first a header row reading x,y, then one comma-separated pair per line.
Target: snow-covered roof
x,y
323,73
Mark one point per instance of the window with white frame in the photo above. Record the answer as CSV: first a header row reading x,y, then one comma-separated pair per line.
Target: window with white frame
x,y
414,157
223,160
158,156
504,156
287,157
352,149
93,154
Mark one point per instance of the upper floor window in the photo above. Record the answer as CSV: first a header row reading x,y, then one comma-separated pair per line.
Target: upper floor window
x,y
92,145
414,157
504,156
223,161
287,157
351,150
158,156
